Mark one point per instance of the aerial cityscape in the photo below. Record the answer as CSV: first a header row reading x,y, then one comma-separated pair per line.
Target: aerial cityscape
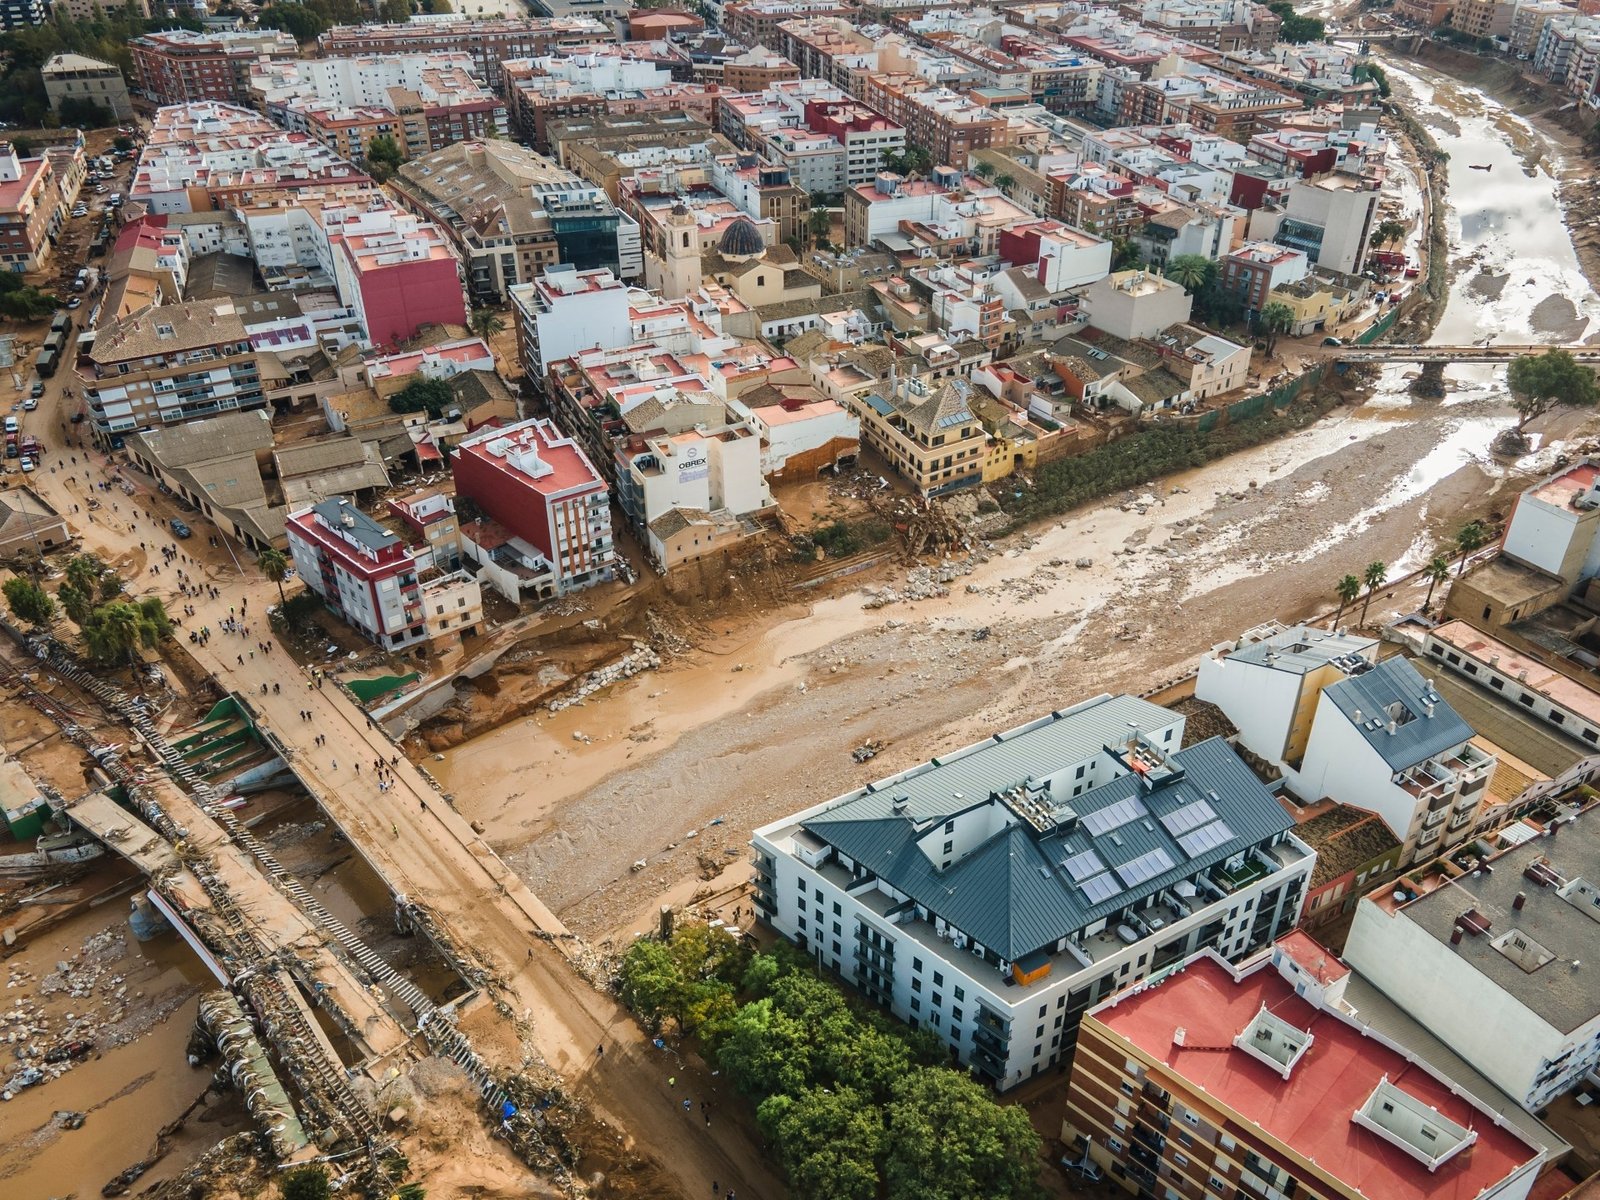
x,y
800,598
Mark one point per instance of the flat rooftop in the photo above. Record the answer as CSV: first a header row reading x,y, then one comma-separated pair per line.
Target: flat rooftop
x,y
1561,490
1530,672
1308,1099
1532,953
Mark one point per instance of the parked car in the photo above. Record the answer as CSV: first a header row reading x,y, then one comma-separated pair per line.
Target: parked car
x,y
77,418
75,302
1332,341
179,529
37,390
27,464
29,404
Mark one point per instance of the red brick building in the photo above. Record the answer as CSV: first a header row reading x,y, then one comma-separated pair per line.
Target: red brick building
x,y
180,66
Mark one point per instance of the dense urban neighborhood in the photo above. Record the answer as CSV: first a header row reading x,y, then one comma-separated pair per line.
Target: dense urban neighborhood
x,y
894,601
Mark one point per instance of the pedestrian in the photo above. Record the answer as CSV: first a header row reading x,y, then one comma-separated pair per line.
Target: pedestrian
x,y
672,1081
715,1188
358,768
423,805
686,1105
241,660
333,763
600,1050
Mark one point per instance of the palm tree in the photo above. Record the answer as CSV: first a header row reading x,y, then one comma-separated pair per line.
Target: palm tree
x,y
819,224
486,323
1005,181
1373,577
1191,272
1473,536
984,170
1347,589
1276,317
1437,571
274,564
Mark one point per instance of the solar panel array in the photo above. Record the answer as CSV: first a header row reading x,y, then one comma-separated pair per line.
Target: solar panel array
x,y
1101,888
1083,866
1207,837
1146,867
1191,816
1114,816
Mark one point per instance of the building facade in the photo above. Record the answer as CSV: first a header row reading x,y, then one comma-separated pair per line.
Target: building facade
x,y
78,77
363,572
993,895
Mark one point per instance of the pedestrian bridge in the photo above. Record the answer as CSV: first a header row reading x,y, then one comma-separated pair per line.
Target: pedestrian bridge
x,y
1497,353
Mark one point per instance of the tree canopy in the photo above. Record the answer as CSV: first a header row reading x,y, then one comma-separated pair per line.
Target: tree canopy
x,y
432,396
1297,29
29,601
384,157
857,1107
1554,379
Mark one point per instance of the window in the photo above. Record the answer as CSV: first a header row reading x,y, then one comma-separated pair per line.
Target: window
x,y
1115,1145
1127,1088
916,985
916,964
961,993
1180,1160
916,1005
938,979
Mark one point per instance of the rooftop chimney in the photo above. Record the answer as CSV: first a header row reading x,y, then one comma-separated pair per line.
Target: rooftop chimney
x,y
1522,898
1455,936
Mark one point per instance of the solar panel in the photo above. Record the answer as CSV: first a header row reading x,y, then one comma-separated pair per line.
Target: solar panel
x,y
1083,866
1145,867
952,419
1207,837
1114,816
1101,888
1190,816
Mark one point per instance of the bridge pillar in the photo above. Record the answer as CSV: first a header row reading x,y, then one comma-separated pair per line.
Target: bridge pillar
x,y
1429,383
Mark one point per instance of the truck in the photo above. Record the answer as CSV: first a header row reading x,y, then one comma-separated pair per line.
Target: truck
x,y
30,447
62,322
46,366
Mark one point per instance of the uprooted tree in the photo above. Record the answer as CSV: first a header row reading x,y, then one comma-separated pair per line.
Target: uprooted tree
x,y
1554,379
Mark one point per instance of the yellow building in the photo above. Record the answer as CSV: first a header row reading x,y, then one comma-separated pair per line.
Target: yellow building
x,y
1316,303
928,434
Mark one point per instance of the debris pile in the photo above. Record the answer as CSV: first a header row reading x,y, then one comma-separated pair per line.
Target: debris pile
x,y
922,583
641,658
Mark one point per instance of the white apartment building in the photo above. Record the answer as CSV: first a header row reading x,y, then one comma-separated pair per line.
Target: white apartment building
x,y
1340,725
567,310
1498,962
1136,304
994,894
1330,218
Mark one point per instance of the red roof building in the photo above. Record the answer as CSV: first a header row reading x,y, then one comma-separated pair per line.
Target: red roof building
x,y
1260,1081
550,518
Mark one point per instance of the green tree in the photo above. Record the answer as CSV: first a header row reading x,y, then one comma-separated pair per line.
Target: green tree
x,y
1472,536
948,1140
396,11
1371,70
1191,272
82,111
307,1183
122,142
1005,181
1275,318
23,146
1297,30
984,170
766,1052
486,323
274,564
432,396
1373,577
819,223
1347,589
828,1142
1388,232
383,157
1437,571
27,303
1124,254
29,601
297,20
1554,379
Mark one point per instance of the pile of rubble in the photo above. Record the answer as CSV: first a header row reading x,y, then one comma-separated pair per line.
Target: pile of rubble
x,y
641,658
922,583
663,637
46,1044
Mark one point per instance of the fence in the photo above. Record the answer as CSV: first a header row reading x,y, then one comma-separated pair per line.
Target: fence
x,y
1254,406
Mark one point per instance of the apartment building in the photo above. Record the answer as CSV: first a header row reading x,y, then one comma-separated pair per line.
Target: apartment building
x,y
489,42
566,310
168,365
1135,304
829,48
363,572
32,209
1215,24
1495,961
993,895
79,77
1376,735
396,271
1256,268
926,430
948,125
546,529
1329,218
510,213
180,65
755,22
1262,1080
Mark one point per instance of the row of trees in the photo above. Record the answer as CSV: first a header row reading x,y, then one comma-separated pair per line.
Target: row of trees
x,y
1297,29
305,21
21,301
114,626
855,1106
1471,537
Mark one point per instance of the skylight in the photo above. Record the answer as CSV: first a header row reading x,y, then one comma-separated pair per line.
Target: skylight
x,y
1272,1040
1417,1128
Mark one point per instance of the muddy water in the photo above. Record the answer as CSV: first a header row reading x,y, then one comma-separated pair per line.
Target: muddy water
x,y
128,1091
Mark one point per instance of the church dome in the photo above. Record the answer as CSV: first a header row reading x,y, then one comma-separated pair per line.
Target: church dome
x,y
741,239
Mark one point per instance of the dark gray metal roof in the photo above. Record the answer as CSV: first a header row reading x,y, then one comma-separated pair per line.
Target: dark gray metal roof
x,y
341,514
1394,690
1012,893
1303,648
